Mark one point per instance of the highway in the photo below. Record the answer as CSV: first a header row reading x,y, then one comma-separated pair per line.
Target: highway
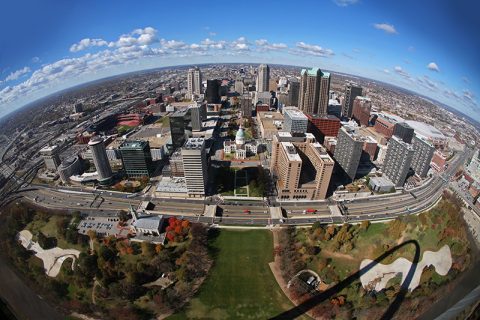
x,y
251,212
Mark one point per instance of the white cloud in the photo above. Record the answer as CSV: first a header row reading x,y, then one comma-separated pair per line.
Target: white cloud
x,y
303,48
465,80
241,44
433,67
264,45
35,60
386,71
344,3
469,97
87,43
402,72
17,74
388,28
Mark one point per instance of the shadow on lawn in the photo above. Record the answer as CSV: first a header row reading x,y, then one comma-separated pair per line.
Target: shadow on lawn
x,y
329,293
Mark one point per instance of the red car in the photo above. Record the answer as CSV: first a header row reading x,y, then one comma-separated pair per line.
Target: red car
x,y
246,211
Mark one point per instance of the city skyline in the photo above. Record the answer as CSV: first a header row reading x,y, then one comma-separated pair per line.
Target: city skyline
x,y
430,49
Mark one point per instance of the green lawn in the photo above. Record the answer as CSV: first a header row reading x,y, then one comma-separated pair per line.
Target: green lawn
x,y
240,285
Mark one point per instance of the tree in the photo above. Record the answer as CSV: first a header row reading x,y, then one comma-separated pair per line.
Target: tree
x,y
148,249
364,225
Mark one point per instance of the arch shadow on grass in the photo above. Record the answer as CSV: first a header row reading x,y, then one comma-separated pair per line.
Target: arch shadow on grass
x,y
329,293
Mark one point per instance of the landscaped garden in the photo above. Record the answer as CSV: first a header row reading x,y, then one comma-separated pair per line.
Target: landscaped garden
x,y
241,284
112,278
335,253
256,180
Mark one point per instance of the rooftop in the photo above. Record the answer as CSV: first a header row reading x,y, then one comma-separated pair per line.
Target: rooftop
x,y
136,144
291,151
148,222
194,143
295,114
425,129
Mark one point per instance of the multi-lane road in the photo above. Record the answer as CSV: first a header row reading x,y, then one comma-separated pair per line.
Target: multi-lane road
x,y
250,212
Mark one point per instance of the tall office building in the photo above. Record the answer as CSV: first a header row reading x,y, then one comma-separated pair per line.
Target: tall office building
x,y
100,159
422,156
178,126
50,157
196,117
195,166
348,150
397,160
324,94
314,89
213,91
295,121
362,106
403,131
246,105
301,165
293,93
239,86
263,78
351,92
194,81
136,158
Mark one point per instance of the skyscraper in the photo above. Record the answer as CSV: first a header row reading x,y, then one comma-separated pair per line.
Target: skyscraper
x,y
302,166
295,121
194,81
351,92
403,131
422,156
136,158
178,121
50,157
246,105
362,106
195,166
314,89
213,91
293,93
196,117
348,151
100,159
263,78
397,160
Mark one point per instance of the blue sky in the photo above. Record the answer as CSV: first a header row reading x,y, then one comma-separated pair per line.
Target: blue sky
x,y
431,47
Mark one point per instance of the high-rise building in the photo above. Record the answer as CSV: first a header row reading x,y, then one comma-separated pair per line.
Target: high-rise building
x,y
178,126
473,167
403,131
100,159
195,166
213,91
324,94
194,81
398,160
362,106
196,117
351,92
50,157
295,121
239,86
314,89
385,126
422,156
263,78
301,165
323,126
293,93
246,105
136,158
78,107
348,150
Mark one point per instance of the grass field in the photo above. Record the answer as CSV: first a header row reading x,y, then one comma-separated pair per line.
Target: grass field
x,y
240,285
